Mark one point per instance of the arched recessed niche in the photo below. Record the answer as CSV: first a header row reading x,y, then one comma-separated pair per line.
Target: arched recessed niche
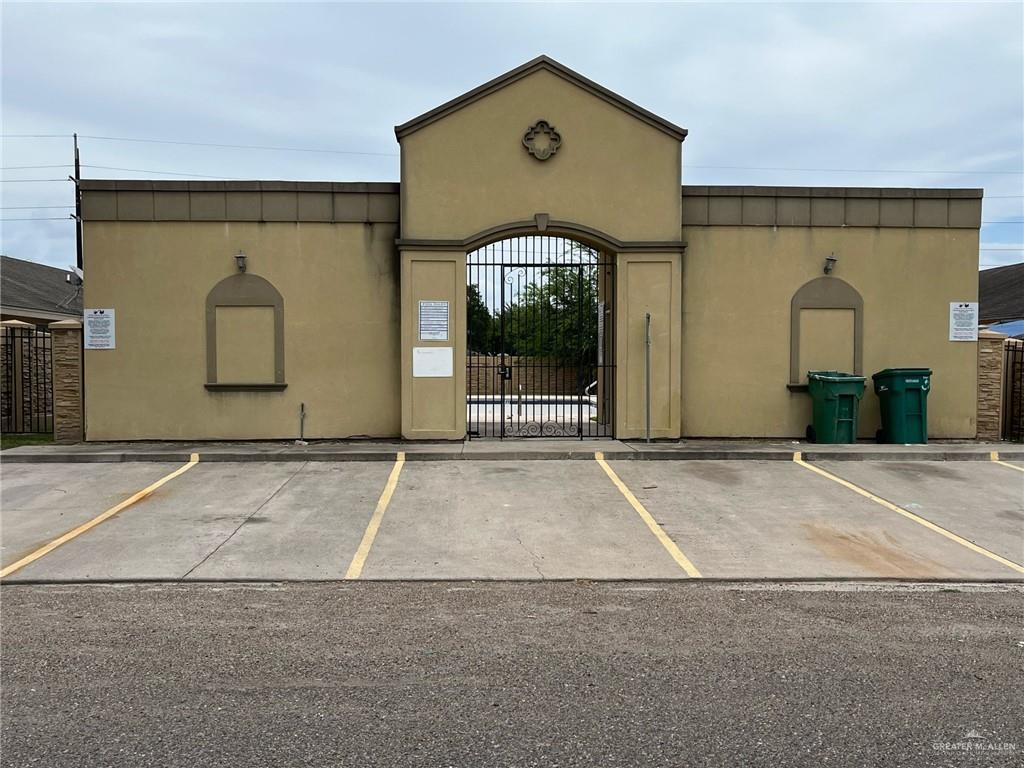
x,y
825,293
244,335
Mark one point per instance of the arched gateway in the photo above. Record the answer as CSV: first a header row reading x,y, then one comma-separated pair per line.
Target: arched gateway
x,y
540,353
544,212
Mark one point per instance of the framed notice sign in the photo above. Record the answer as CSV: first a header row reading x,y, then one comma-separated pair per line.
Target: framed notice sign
x,y
432,362
99,329
433,321
963,321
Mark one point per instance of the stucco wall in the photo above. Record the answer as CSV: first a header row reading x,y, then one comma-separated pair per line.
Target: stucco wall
x,y
340,287
469,171
737,285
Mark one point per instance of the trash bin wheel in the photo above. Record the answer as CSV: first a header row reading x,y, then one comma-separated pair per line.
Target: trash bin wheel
x,y
812,437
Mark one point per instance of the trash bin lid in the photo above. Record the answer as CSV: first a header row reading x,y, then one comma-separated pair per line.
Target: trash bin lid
x,y
833,376
894,372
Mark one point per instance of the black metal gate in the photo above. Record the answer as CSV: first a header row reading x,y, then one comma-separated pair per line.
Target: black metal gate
x,y
540,356
26,381
1013,407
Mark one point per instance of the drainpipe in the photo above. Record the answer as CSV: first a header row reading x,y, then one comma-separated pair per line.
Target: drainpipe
x,y
647,375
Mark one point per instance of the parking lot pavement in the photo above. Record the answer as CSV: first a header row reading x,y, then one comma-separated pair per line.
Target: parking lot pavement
x,y
982,501
39,502
518,520
172,531
779,520
309,529
513,519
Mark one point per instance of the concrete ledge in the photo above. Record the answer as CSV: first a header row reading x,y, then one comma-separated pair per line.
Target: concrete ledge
x,y
557,451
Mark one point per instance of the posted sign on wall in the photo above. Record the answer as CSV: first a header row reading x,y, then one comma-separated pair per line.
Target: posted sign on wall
x,y
433,321
99,329
963,321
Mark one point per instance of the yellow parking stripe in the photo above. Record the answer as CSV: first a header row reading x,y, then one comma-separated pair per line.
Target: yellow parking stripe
x,y
798,458
76,532
666,541
355,568
994,455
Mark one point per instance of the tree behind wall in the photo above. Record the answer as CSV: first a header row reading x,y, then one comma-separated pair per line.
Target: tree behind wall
x,y
482,336
557,317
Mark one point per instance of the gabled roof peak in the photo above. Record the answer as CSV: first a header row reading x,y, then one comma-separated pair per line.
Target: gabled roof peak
x,y
535,65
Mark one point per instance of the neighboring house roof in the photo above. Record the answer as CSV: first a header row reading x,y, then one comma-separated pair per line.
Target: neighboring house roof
x,y
535,65
1014,329
36,290
1001,294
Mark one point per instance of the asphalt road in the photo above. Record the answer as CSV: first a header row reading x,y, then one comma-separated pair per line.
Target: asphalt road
x,y
511,674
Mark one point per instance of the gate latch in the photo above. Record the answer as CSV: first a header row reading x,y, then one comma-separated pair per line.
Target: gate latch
x,y
505,371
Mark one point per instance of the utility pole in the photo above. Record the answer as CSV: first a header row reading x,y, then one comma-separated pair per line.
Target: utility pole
x,y
78,206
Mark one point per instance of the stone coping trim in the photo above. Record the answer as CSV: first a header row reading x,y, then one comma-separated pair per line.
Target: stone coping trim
x,y
710,206
252,201
253,185
379,202
769,191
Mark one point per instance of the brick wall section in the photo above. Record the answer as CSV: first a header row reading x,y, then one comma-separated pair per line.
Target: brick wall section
x,y
538,376
67,381
990,384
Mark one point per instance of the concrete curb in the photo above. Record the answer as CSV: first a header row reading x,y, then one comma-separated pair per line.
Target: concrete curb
x,y
364,583
101,457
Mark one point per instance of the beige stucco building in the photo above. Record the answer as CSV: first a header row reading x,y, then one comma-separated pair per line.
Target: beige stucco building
x,y
324,331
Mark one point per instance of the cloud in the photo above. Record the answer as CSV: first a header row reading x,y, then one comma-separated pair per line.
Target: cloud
x,y
882,86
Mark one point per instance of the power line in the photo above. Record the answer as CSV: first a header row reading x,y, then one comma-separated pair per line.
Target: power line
x,y
240,146
1002,249
270,148
165,173
840,170
25,181
44,218
37,135
31,207
32,167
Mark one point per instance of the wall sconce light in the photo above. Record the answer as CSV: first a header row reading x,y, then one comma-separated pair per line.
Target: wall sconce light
x,y
830,263
240,261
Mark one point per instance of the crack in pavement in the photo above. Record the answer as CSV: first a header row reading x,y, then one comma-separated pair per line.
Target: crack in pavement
x,y
247,518
532,555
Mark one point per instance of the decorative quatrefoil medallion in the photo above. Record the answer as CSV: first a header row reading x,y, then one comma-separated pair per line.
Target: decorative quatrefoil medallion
x,y
542,140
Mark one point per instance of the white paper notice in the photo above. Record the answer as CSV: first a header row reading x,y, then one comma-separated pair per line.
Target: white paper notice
x,y
432,362
963,321
433,321
99,329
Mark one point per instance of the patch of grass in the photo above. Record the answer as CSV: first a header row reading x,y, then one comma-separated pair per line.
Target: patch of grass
x,y
16,441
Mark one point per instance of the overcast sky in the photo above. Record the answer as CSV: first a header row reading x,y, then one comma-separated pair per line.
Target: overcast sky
x,y
866,89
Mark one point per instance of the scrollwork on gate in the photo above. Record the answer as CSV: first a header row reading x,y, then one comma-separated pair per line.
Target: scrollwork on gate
x,y
543,429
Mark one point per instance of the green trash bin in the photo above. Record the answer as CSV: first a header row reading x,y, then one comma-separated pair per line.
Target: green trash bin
x,y
836,399
903,398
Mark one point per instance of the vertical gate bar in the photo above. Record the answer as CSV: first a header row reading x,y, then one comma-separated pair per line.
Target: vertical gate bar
x,y
580,333
19,383
36,383
522,327
530,361
470,394
547,333
501,370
